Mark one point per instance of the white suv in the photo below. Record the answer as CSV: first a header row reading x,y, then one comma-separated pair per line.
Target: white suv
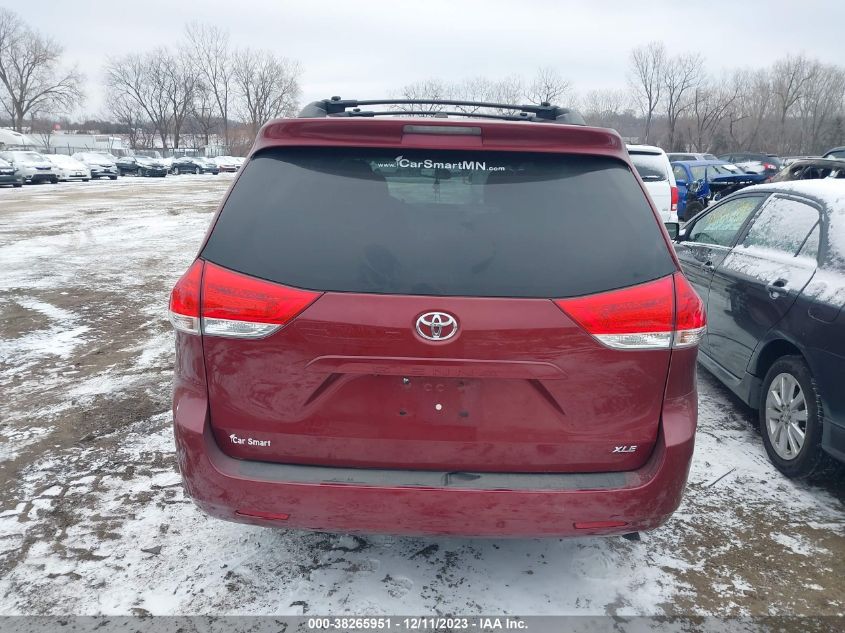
x,y
656,173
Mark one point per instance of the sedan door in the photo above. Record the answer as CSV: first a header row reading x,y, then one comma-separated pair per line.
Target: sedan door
x,y
708,240
756,284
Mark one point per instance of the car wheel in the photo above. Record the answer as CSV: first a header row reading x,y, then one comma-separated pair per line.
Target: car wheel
x,y
175,171
112,177
17,184
196,171
790,420
85,179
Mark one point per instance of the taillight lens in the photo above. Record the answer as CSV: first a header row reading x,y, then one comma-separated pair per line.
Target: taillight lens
x,y
656,315
690,320
184,310
220,302
674,207
245,307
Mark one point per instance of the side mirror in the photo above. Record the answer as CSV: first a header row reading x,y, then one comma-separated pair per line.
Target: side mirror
x,y
696,187
673,228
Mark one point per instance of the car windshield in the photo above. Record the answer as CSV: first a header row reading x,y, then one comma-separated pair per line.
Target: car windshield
x,y
429,222
839,153
32,156
651,167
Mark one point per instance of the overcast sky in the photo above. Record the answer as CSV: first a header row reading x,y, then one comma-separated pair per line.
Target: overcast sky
x,y
360,48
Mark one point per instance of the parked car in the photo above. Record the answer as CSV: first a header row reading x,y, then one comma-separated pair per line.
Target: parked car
x,y
100,165
9,175
676,156
32,166
68,168
379,337
701,181
141,166
193,165
754,163
811,169
656,173
227,163
769,261
836,152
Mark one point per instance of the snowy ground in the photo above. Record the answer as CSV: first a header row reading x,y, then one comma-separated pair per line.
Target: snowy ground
x,y
93,519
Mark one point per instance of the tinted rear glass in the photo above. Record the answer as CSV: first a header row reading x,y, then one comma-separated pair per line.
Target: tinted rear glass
x,y
439,223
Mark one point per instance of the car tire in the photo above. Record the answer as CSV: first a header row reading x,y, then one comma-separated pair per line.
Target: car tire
x,y
112,177
17,184
196,171
781,422
175,171
54,181
85,179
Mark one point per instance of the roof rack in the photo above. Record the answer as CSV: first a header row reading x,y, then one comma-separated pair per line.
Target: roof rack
x,y
543,113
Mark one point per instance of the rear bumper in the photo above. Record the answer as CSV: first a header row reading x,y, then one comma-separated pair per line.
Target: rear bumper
x,y
427,503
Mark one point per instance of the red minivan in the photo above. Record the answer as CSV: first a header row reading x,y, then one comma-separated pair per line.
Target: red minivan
x,y
436,325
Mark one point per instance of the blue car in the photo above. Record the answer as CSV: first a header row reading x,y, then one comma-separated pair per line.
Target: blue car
x,y
700,181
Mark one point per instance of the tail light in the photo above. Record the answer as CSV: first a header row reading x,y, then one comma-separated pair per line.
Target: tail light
x,y
220,302
674,207
659,314
769,167
184,310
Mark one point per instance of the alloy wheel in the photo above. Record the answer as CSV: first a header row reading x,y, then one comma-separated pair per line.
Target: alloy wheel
x,y
786,416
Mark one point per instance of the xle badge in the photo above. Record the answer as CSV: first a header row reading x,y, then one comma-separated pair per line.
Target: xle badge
x,y
625,449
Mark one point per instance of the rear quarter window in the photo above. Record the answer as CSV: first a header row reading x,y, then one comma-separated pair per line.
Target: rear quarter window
x,y
439,223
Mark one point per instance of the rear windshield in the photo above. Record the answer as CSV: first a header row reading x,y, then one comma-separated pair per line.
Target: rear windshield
x,y
651,167
424,222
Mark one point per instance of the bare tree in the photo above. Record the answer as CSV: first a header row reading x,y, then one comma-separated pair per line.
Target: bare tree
x,y
31,75
178,84
432,89
751,108
214,64
790,77
681,75
127,112
548,86
267,85
143,79
646,80
203,111
711,102
822,100
604,107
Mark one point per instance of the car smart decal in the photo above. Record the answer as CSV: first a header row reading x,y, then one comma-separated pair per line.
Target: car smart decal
x,y
464,165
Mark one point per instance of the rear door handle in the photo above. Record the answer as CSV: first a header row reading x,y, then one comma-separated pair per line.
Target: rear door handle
x,y
777,287
709,265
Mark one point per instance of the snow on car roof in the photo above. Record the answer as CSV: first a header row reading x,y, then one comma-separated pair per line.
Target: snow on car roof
x,y
830,191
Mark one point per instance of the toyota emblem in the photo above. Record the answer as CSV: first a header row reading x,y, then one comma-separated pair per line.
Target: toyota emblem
x,y
437,326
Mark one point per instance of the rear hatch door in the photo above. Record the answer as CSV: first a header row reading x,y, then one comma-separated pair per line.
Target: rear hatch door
x,y
431,339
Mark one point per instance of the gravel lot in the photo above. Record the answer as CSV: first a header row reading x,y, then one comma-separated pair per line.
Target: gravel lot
x,y
93,519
